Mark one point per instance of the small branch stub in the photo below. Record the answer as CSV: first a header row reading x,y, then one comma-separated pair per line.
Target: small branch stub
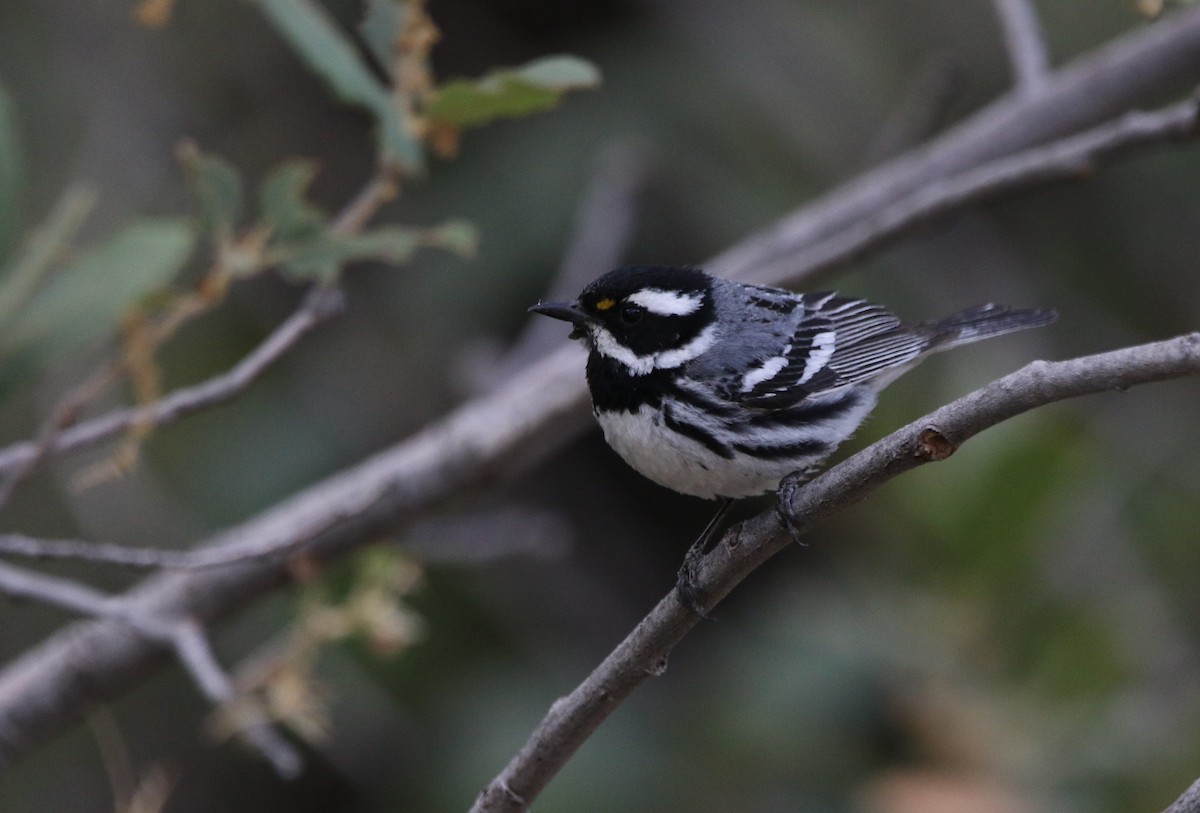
x,y
933,445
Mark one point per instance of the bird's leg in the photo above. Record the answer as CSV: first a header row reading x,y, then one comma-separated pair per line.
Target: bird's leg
x,y
783,501
686,590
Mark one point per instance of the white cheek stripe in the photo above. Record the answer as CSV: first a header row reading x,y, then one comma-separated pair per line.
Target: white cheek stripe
x,y
822,350
666,303
682,355
607,346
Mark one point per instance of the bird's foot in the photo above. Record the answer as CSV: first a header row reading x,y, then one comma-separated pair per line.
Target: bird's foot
x,y
783,503
687,589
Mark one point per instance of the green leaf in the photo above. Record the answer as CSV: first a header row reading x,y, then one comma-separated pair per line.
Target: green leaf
x,y
283,206
12,176
88,296
316,38
322,258
217,187
456,236
534,87
561,72
378,30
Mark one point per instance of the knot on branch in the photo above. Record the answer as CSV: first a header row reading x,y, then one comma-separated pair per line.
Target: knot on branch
x,y
933,445
658,668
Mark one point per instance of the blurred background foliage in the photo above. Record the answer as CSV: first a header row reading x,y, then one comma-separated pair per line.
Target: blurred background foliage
x,y
1017,629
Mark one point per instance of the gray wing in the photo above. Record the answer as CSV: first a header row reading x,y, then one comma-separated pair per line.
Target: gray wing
x,y
836,341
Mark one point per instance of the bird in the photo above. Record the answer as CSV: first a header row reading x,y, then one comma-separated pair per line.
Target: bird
x,y
721,390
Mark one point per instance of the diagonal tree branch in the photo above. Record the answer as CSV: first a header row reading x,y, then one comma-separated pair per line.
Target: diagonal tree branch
x,y
506,430
745,547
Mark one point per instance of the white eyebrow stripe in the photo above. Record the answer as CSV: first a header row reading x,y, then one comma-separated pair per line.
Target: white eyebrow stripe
x,y
667,303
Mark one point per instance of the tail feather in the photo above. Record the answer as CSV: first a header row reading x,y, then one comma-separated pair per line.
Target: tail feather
x,y
983,322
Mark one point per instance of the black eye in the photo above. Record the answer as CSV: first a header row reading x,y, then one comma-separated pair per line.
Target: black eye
x,y
632,314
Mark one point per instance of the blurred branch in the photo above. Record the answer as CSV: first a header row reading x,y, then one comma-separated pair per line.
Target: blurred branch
x,y
533,413
479,537
604,222
746,546
1025,42
185,637
108,554
920,110
602,230
1094,88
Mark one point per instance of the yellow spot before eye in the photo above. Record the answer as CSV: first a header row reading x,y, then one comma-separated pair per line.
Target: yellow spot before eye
x,y
605,304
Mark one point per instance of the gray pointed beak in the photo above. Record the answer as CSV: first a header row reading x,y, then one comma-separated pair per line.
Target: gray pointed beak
x,y
567,311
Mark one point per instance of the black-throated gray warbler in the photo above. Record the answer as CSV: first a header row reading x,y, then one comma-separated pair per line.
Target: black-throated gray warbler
x,y
719,389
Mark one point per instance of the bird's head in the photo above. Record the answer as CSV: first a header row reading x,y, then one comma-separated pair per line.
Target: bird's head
x,y
645,317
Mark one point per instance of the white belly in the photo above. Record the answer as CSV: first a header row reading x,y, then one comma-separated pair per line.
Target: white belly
x,y
688,466
684,465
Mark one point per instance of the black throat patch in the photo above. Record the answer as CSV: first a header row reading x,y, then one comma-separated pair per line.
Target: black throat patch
x,y
615,389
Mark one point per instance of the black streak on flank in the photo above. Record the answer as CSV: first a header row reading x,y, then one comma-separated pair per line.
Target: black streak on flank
x,y
695,433
804,412
804,448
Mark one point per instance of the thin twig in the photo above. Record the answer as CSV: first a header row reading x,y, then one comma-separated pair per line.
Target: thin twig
x,y
1026,44
380,189
106,553
472,538
745,547
604,226
606,217
319,305
194,652
114,754
920,109
19,461
185,637
65,413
